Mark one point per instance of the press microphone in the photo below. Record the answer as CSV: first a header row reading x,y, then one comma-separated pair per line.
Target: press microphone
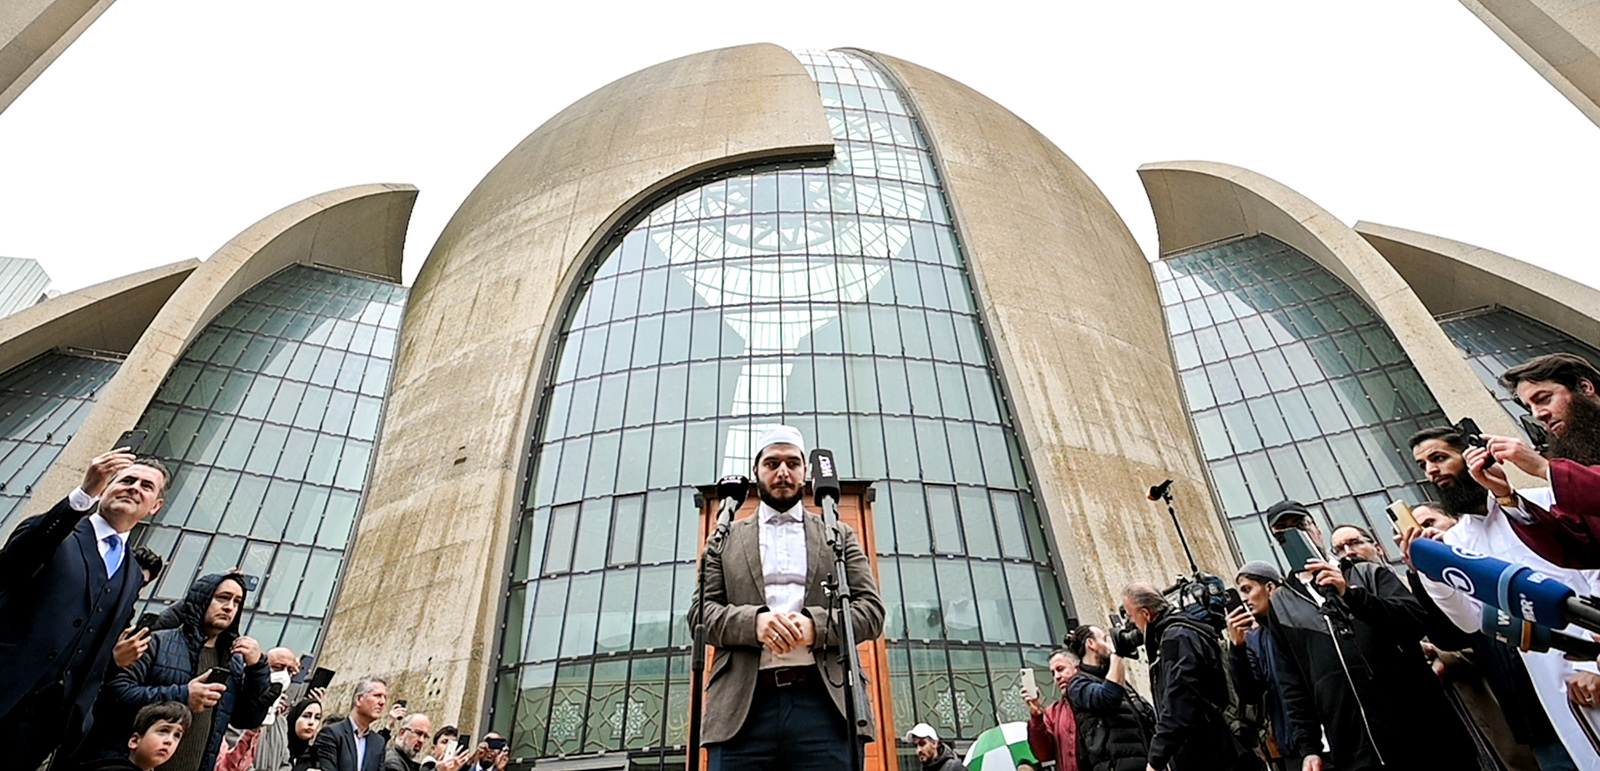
x,y
1518,590
1160,491
1535,638
824,476
732,490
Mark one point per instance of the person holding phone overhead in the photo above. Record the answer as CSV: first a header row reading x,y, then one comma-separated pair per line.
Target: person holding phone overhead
x,y
1365,683
66,592
205,663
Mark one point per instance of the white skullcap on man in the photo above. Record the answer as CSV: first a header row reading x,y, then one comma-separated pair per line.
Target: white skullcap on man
x,y
780,435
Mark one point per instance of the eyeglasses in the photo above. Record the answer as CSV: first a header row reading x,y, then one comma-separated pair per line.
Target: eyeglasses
x,y
1350,544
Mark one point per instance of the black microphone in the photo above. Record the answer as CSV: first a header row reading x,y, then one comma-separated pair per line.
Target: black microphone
x,y
1160,491
824,476
732,490
1528,636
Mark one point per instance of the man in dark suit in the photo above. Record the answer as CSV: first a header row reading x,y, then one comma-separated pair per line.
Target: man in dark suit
x,y
67,588
775,696
353,745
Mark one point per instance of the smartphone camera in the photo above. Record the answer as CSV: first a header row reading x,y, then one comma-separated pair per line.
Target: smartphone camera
x,y
1468,428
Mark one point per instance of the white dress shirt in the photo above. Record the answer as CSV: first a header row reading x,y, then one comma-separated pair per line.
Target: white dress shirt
x,y
783,569
78,500
1492,534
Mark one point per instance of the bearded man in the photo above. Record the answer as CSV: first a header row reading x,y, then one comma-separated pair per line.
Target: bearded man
x,y
775,696
1469,518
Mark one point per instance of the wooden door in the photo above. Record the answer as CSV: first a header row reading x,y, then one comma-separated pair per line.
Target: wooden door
x,y
855,510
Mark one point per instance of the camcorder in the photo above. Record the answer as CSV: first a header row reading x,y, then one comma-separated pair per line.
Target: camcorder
x,y
1201,596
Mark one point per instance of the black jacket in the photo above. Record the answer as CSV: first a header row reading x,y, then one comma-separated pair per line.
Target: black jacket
x,y
1114,723
1365,691
944,761
164,672
1191,691
59,614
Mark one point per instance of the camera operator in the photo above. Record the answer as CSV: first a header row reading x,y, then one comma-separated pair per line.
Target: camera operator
x,y
1114,722
1563,523
1364,682
1189,686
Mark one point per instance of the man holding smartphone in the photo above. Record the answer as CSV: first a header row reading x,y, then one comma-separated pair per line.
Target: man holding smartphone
x,y
1364,681
205,663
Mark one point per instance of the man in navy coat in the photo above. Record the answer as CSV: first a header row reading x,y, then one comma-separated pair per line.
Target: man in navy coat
x,y
67,588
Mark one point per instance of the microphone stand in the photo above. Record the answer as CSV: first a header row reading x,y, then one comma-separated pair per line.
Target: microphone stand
x,y
855,692
697,666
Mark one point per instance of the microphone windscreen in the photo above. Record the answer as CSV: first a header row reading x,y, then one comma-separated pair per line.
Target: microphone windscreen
x,y
736,487
824,475
1527,593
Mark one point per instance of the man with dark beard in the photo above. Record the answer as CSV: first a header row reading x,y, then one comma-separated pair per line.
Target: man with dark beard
x,y
775,696
1561,391
1532,688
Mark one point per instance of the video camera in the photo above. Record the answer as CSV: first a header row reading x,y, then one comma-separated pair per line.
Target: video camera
x,y
1200,596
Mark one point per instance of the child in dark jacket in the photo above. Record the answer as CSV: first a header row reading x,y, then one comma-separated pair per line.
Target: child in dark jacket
x,y
157,729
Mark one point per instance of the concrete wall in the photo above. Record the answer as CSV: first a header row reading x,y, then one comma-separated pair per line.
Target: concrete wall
x,y
109,316
477,341
1560,39
33,33
1071,311
358,228
1199,202
1450,276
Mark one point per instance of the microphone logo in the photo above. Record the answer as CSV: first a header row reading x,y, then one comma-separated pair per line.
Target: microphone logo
x,y
825,466
1458,579
1466,554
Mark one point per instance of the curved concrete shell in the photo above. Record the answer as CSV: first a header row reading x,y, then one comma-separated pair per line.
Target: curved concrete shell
x,y
1451,276
109,316
1074,320
476,342
1560,39
33,33
1199,202
360,228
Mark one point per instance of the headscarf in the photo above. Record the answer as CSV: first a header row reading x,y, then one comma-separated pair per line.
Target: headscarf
x,y
298,747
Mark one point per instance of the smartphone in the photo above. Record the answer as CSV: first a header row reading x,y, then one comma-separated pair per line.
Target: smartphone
x,y
148,620
401,703
320,678
1297,547
131,440
1030,685
1400,515
306,663
217,675
496,744
1234,601
1537,433
466,743
1468,428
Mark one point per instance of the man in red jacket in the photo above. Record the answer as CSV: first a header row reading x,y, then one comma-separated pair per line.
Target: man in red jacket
x,y
1053,730
1561,391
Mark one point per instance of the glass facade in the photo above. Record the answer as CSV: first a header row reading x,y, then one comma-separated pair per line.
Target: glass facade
x,y
268,422
834,298
1496,339
42,404
1296,389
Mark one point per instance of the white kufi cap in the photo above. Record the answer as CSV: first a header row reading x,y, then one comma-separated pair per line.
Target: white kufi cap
x,y
779,435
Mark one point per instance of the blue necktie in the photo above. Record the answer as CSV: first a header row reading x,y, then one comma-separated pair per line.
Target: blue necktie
x,y
113,555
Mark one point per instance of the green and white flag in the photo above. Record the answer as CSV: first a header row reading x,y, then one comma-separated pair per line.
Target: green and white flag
x,y
999,748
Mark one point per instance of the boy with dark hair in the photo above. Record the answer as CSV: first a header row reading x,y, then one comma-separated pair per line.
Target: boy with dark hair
x,y
157,730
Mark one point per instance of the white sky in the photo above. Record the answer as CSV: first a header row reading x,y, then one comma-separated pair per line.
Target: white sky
x,y
171,125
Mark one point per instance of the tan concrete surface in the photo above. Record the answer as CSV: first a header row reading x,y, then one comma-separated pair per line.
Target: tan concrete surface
x,y
1560,39
359,228
1451,276
109,316
1072,313
1200,202
477,339
33,33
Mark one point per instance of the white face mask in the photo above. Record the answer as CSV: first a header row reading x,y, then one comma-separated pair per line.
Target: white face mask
x,y
281,677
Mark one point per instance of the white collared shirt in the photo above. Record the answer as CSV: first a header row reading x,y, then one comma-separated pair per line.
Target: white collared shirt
x,y
78,500
783,569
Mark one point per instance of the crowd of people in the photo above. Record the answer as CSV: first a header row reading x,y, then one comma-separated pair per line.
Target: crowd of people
x,y
1350,663
184,690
